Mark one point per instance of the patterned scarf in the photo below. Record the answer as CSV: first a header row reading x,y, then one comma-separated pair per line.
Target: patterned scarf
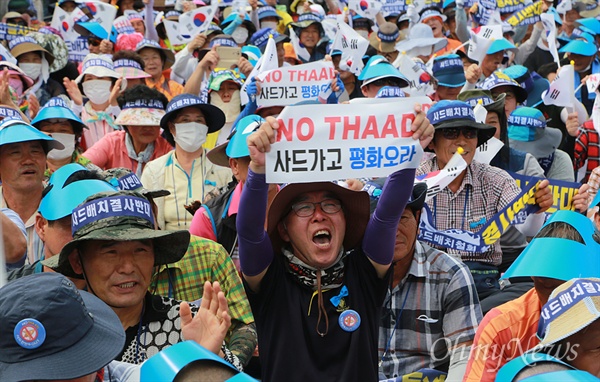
x,y
99,116
143,157
317,280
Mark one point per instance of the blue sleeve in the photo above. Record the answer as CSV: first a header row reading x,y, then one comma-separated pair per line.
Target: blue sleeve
x,y
255,249
380,235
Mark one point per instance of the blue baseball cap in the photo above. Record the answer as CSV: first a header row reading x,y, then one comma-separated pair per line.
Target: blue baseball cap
x,y
500,45
447,114
560,258
378,67
61,196
449,71
267,11
236,146
527,132
500,79
533,83
580,46
56,107
14,130
261,37
165,365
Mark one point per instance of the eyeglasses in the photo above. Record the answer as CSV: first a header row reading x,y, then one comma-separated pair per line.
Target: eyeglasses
x,y
306,209
454,132
94,41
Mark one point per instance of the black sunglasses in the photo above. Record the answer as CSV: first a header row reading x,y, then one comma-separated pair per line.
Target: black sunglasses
x,y
93,41
454,132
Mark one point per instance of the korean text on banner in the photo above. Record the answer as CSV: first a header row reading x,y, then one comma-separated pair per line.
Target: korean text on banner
x,y
327,142
292,84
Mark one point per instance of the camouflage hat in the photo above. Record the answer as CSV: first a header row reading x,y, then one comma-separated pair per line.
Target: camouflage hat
x,y
119,216
125,180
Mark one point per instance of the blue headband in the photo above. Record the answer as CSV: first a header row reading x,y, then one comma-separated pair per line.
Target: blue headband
x,y
450,113
7,112
21,40
129,182
144,104
519,120
97,62
126,63
104,208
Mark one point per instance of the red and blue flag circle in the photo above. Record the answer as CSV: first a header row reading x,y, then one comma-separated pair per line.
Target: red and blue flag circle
x,y
199,19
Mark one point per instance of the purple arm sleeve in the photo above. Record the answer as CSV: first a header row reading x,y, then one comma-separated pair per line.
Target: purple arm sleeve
x,y
256,252
380,235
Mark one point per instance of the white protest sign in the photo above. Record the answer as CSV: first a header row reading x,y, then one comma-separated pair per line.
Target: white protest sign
x,y
488,150
291,84
326,142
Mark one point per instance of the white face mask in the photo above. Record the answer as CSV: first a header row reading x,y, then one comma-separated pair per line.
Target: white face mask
x,y
363,33
231,109
32,71
269,24
190,136
240,35
97,91
68,140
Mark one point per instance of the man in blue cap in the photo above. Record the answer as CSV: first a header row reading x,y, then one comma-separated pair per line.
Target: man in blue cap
x,y
67,188
476,194
23,150
582,51
449,72
377,73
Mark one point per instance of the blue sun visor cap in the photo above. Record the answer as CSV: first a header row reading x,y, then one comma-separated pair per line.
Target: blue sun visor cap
x,y
449,70
448,3
390,92
560,258
252,53
267,11
59,200
165,365
16,131
590,23
91,28
499,45
533,83
378,67
581,47
509,371
56,107
237,146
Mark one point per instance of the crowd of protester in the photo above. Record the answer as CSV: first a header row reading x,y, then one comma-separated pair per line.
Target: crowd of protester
x,y
143,241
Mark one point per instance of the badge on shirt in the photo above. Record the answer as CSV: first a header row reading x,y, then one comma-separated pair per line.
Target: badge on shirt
x,y
349,320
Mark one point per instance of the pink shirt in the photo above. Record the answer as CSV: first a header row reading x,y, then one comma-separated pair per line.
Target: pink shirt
x,y
201,224
110,151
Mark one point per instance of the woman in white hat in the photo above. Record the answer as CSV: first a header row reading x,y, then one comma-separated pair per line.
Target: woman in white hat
x,y
100,84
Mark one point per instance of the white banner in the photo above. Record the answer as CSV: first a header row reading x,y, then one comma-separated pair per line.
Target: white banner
x,y
289,85
326,142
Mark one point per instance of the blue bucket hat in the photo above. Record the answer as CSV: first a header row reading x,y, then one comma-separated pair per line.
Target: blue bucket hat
x,y
51,330
15,131
215,118
378,67
560,258
527,132
236,146
509,371
56,107
165,365
498,79
267,11
533,83
447,114
499,45
449,71
60,200
261,37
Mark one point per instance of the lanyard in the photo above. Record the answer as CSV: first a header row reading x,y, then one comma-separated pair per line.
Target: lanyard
x,y
387,346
